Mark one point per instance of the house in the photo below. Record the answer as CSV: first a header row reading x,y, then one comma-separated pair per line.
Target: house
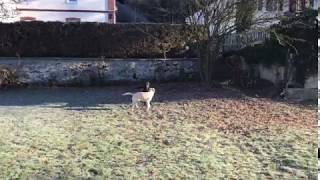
x,y
274,8
67,11
268,10
286,5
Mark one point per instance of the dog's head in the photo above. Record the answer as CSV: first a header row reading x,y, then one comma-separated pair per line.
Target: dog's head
x,y
152,90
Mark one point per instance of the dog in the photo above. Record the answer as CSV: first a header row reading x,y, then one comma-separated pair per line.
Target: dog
x,y
141,97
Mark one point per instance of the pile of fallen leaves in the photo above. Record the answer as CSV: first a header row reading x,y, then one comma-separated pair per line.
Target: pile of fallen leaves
x,y
232,112
8,77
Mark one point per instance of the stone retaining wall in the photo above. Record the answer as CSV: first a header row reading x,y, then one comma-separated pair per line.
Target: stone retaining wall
x,y
91,71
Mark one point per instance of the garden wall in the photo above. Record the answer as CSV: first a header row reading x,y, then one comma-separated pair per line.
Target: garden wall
x,y
93,71
276,74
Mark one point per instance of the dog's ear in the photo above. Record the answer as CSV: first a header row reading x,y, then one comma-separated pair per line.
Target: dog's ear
x,y
147,87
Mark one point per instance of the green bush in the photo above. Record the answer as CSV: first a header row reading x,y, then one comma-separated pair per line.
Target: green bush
x,y
303,34
269,53
300,38
55,39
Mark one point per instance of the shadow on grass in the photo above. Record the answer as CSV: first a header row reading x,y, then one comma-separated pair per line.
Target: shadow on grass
x,y
95,98
99,98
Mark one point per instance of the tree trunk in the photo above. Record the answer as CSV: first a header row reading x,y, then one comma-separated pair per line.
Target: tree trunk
x,y
288,73
208,58
204,62
165,55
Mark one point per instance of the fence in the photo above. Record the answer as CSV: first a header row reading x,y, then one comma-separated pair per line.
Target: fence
x,y
238,41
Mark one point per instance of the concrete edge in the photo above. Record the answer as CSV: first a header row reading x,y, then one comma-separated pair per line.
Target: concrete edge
x,y
93,59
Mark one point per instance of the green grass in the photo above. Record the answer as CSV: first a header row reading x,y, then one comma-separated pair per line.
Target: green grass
x,y
175,141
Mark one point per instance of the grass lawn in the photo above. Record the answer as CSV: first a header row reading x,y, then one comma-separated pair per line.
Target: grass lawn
x,y
194,133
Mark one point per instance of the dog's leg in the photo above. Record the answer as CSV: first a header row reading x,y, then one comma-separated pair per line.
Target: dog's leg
x,y
148,105
134,104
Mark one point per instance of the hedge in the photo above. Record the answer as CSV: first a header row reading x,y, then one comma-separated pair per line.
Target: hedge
x,y
56,39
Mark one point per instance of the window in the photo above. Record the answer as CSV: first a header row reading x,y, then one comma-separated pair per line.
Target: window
x,y
303,4
260,5
73,19
271,5
72,1
27,18
292,5
274,5
110,16
297,5
312,3
281,5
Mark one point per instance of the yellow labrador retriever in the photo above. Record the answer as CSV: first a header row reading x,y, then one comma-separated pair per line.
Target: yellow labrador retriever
x,y
141,97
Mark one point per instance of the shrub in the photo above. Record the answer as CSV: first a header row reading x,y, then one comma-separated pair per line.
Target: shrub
x,y
303,32
300,35
7,77
269,53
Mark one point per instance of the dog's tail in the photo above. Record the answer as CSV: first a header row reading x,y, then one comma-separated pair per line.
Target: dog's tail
x,y
127,94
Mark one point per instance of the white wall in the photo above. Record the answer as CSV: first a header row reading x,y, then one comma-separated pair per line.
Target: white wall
x,y
61,16
315,5
311,81
61,4
273,74
96,5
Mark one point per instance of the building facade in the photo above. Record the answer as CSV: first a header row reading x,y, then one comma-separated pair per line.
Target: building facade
x,y
267,12
286,5
277,8
67,11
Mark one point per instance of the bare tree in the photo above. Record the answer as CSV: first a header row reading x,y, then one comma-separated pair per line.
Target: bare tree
x,y
7,9
214,20
9,76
